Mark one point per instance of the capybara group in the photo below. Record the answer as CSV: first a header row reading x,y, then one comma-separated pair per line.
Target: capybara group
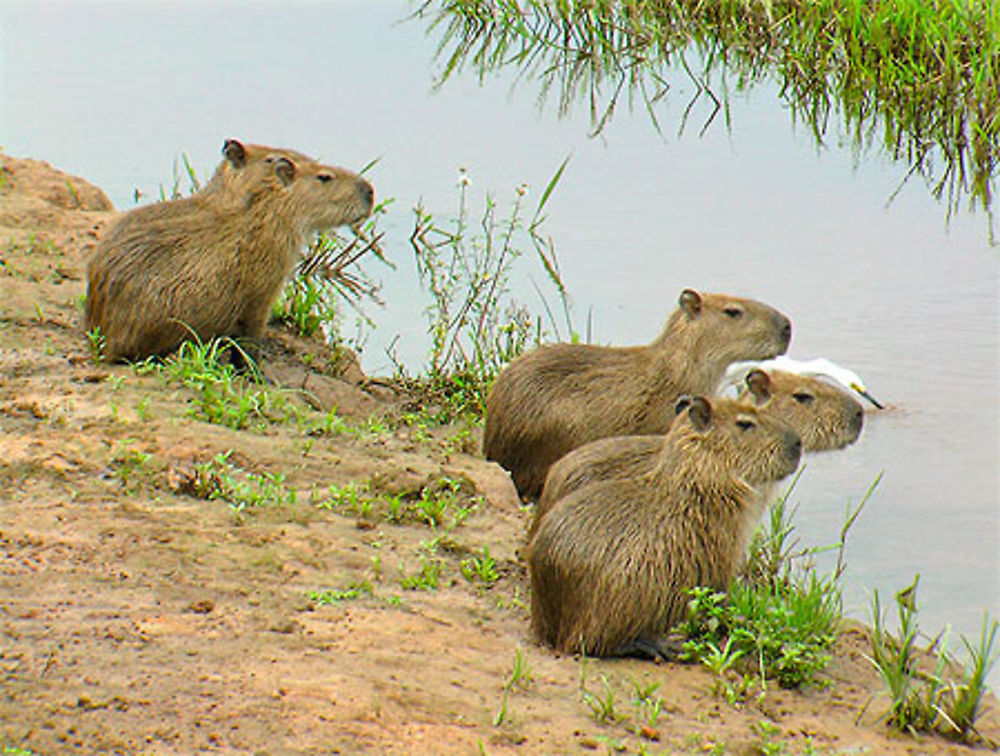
x,y
558,397
610,562
213,264
822,415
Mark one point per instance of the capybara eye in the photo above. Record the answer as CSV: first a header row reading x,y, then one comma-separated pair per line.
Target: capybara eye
x,y
733,312
803,398
325,177
745,425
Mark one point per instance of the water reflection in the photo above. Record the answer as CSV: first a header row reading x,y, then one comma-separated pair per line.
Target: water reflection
x,y
898,84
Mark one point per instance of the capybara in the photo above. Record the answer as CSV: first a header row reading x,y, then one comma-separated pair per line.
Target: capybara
x,y
822,415
610,562
560,396
213,264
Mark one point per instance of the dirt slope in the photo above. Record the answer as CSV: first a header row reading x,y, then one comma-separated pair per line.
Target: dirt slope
x,y
138,617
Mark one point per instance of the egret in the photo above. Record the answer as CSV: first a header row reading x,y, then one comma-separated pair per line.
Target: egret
x,y
819,367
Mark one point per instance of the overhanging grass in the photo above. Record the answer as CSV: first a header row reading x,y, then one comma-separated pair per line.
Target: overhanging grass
x,y
920,78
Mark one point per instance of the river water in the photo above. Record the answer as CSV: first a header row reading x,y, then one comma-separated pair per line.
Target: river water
x,y
116,92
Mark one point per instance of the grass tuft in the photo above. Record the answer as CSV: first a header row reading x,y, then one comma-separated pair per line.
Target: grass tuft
x,y
934,699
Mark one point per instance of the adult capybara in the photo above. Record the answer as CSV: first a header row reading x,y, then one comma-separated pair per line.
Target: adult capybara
x,y
822,415
559,397
213,264
610,563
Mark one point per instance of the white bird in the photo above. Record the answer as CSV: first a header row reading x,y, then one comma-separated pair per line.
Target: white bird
x,y
820,367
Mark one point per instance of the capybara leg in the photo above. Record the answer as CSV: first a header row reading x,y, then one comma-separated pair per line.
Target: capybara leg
x,y
652,649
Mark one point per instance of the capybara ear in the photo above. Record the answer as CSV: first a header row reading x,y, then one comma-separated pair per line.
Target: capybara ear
x,y
700,413
690,302
682,403
235,153
285,170
759,384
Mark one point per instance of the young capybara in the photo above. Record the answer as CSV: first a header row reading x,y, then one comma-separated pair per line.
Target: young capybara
x,y
559,397
822,415
213,264
610,562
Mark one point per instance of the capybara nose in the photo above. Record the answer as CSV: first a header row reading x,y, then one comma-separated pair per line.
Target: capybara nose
x,y
367,192
793,444
786,331
858,420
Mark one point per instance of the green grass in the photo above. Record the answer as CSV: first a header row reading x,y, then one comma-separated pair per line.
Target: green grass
x,y
128,466
96,342
219,479
481,568
222,395
519,678
604,706
925,697
778,620
919,79
428,577
783,632
333,597
440,504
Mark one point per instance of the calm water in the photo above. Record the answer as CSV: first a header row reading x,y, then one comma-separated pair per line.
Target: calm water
x,y
116,93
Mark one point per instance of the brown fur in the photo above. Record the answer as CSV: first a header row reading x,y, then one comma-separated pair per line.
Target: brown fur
x,y
610,562
559,397
228,183
823,416
213,264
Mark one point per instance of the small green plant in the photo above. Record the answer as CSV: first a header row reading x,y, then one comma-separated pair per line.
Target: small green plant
x,y
603,706
142,409
778,620
439,504
429,575
481,568
520,677
351,498
895,659
330,424
650,705
128,466
304,306
219,479
432,506
334,596
768,740
175,192
966,697
97,343
73,193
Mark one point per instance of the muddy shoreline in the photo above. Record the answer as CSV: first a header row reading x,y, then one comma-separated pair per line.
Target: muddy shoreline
x,y
138,618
